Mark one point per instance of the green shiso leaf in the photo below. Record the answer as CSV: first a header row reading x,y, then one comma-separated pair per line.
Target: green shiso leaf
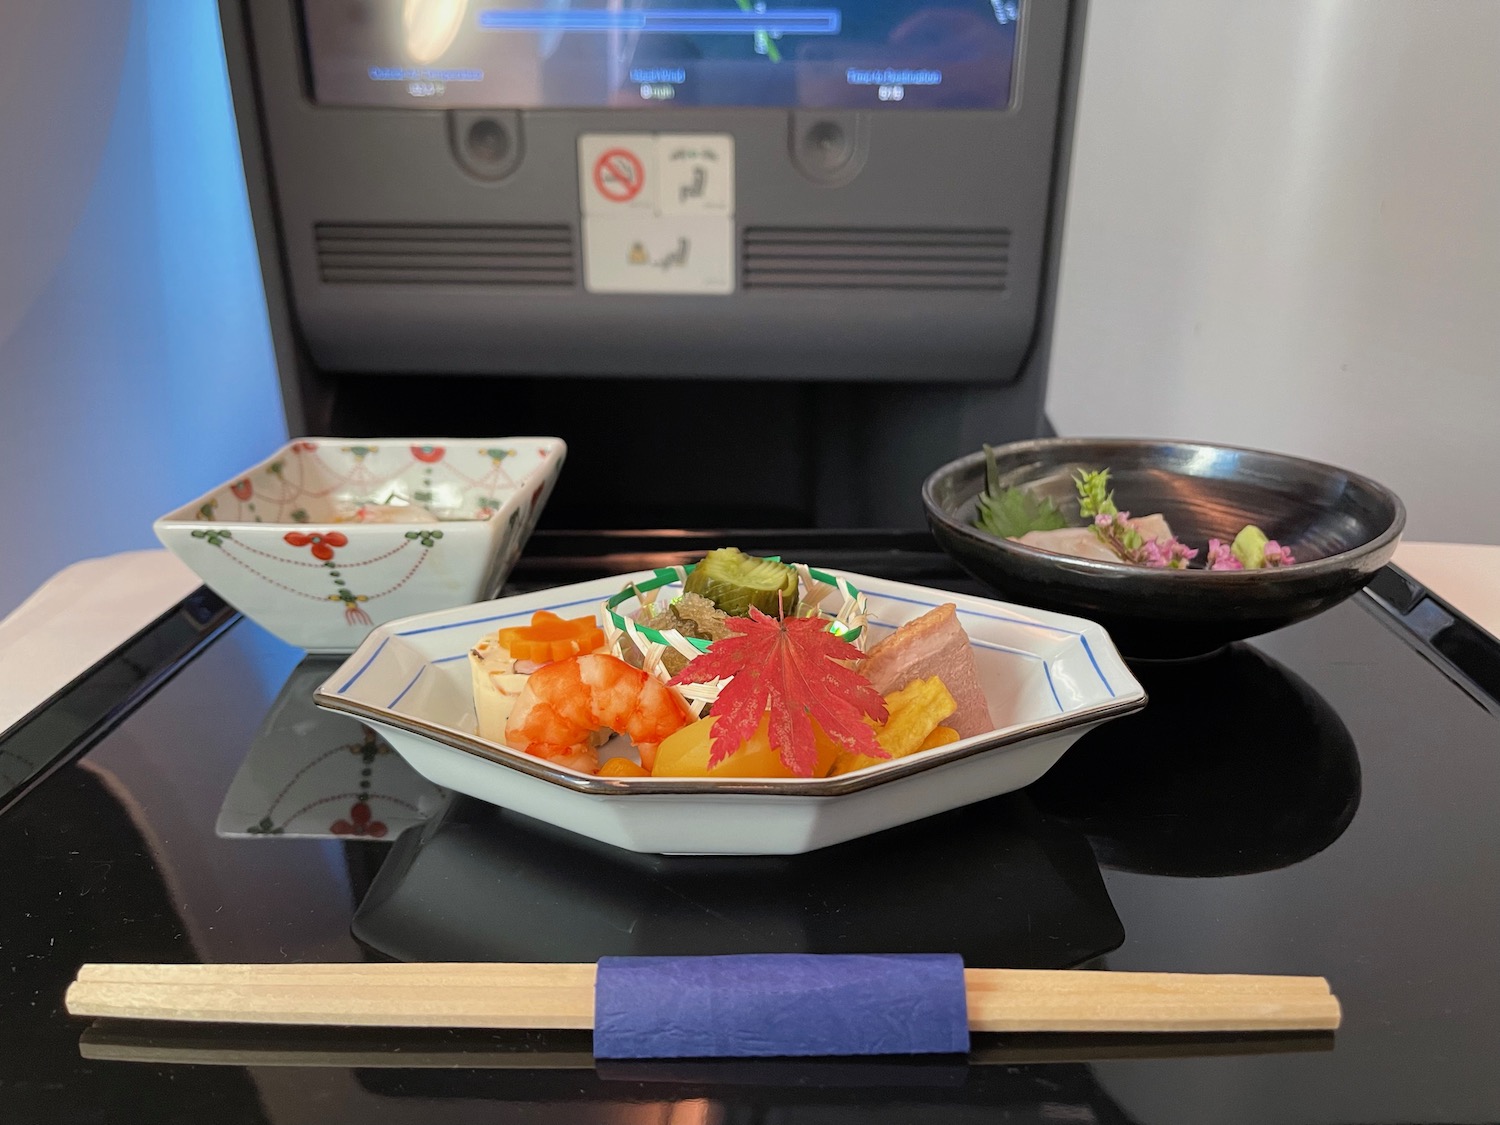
x,y
1011,512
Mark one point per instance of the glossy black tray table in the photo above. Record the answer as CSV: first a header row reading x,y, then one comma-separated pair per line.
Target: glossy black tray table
x,y
1320,801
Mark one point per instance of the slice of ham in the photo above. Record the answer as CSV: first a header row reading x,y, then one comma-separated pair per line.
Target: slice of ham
x,y
1083,543
934,644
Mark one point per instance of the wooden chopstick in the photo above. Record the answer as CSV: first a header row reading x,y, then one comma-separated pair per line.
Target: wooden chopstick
x,y
556,997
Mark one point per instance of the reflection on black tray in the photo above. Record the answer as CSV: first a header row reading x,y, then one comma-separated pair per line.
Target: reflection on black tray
x,y
994,882
822,1091
527,1071
377,1048
314,773
1235,766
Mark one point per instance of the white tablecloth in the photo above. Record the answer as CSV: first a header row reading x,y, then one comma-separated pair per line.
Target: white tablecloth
x,y
1465,575
79,617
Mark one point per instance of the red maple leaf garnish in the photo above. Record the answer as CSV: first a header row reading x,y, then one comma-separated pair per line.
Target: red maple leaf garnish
x,y
788,667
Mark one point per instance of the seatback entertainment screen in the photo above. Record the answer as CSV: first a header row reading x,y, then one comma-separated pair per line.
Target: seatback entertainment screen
x,y
812,54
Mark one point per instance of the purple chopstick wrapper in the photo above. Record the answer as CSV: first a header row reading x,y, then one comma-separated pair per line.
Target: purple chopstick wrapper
x,y
764,1005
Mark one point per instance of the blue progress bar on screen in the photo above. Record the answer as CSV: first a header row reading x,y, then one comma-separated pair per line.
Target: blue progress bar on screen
x,y
686,21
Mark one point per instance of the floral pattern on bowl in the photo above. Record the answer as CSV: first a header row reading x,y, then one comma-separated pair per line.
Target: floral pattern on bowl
x,y
324,480
284,542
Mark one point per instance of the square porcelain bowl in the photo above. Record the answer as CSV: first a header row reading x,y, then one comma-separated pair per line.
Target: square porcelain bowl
x,y
1048,678
279,543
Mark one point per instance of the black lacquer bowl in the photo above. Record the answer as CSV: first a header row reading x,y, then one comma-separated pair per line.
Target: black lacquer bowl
x,y
1341,527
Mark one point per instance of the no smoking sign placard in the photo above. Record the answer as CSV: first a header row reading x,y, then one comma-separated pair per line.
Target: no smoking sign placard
x,y
619,175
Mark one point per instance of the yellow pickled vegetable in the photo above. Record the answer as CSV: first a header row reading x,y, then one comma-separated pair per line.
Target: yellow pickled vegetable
x,y
915,713
622,767
940,736
685,754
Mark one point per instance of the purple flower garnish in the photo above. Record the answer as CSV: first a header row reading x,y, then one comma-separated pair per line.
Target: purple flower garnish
x,y
1221,557
1169,554
1277,555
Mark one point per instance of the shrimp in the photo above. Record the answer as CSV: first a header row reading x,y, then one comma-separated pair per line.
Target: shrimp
x,y
564,702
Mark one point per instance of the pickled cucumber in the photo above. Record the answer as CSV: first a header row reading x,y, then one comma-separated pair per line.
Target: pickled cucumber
x,y
735,581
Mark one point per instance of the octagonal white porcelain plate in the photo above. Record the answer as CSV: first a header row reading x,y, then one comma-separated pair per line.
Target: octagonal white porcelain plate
x,y
1049,679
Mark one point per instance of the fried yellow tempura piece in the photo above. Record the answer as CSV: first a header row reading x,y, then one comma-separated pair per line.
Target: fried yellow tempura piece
x,y
940,736
915,714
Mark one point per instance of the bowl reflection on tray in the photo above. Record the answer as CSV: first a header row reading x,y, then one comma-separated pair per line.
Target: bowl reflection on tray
x,y
994,881
1343,528
1238,766
315,773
